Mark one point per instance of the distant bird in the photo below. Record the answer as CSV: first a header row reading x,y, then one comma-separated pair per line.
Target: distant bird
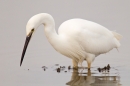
x,y
77,38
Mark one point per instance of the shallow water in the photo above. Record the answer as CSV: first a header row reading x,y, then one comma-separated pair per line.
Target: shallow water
x,y
38,76
31,73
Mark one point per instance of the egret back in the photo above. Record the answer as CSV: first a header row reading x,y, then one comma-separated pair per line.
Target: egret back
x,y
92,37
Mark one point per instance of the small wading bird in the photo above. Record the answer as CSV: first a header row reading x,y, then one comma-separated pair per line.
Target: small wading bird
x,y
77,38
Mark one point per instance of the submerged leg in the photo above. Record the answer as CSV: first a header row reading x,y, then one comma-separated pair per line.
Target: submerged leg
x,y
75,64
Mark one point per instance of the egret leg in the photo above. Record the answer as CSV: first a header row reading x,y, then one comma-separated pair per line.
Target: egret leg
x,y
89,60
75,64
89,65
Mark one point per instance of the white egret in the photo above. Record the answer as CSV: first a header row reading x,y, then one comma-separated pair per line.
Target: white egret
x,y
77,38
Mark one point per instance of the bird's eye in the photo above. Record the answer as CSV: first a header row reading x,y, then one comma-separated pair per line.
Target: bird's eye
x,y
32,30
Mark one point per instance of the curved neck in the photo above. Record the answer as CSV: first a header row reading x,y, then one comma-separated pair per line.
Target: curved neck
x,y
49,28
49,25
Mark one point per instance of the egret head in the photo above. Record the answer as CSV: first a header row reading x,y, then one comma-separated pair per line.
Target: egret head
x,y
33,23
31,26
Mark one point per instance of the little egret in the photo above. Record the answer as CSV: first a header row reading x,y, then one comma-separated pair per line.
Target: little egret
x,y
77,38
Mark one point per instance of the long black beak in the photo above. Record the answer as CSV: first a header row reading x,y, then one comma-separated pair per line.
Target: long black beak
x,y
26,45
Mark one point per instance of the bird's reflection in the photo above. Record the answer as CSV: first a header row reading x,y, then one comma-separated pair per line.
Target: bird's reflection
x,y
89,80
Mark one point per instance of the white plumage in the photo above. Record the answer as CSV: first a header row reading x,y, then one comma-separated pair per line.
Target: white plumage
x,y
77,39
